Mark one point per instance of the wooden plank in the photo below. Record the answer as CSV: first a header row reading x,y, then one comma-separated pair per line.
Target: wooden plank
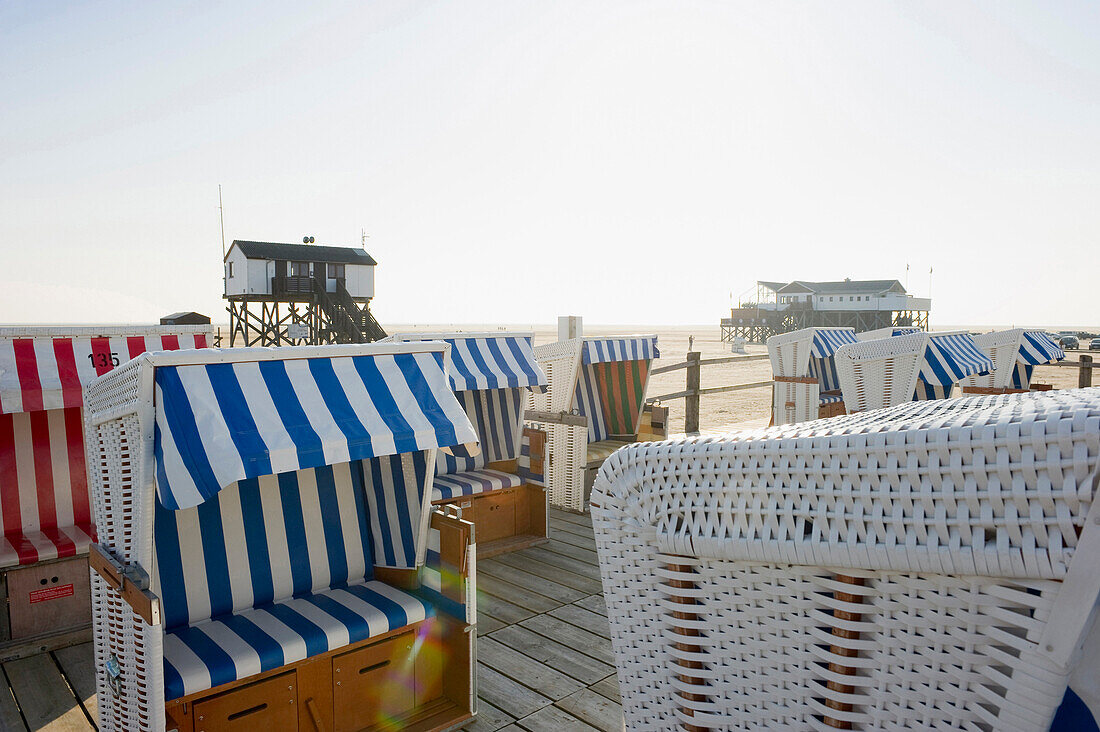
x,y
587,585
552,719
487,624
608,687
78,665
598,711
555,655
533,601
45,698
508,695
501,609
571,550
576,529
10,719
560,533
595,603
580,519
525,579
578,616
587,643
489,718
526,670
576,566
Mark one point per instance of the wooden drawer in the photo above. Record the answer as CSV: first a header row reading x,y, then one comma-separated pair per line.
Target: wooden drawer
x,y
373,684
494,516
271,704
52,596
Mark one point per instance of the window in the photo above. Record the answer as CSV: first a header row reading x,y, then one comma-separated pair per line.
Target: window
x,y
336,271
230,269
830,298
851,298
299,269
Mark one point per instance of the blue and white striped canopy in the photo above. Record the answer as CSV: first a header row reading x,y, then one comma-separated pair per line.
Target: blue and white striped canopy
x,y
950,358
619,348
904,331
826,341
487,360
1038,348
217,423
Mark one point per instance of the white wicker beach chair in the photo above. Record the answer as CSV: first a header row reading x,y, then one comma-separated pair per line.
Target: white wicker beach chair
x,y
595,405
501,488
267,556
889,371
45,509
804,375
930,566
1015,355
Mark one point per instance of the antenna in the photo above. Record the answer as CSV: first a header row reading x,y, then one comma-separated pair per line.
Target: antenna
x,y
363,237
221,218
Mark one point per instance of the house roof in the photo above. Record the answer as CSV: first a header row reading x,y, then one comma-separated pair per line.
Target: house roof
x,y
302,252
843,287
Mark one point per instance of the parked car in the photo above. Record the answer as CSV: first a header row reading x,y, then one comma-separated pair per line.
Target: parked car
x,y
1069,342
1094,345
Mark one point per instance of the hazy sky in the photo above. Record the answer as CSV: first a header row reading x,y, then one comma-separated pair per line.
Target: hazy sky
x,y
633,162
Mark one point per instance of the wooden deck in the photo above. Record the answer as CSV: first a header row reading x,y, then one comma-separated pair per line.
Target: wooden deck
x,y
544,653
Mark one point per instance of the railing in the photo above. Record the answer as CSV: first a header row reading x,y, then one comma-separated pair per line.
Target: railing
x,y
1084,372
693,391
292,285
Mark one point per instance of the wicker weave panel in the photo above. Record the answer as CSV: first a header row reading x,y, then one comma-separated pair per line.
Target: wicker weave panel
x,y
882,570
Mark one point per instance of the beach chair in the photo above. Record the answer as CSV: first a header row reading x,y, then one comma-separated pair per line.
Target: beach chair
x,y
805,381
1015,355
934,565
874,335
920,366
498,489
594,406
45,510
267,555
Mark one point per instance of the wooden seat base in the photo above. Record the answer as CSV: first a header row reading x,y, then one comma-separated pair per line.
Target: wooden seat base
x,y
504,520
44,606
413,678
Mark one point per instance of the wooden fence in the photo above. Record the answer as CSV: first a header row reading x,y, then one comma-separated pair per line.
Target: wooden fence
x,y
692,392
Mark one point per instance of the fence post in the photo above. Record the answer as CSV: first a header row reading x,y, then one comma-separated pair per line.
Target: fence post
x,y
691,401
1084,375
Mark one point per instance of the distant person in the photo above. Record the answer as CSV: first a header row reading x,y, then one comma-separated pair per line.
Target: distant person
x,y
691,343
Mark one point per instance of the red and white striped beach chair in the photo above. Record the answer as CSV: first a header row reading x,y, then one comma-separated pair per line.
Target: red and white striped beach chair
x,y
45,513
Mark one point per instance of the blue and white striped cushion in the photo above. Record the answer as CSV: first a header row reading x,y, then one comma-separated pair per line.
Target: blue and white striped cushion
x,y
824,398
471,483
445,463
587,401
929,392
824,370
395,496
1021,375
286,535
497,416
236,646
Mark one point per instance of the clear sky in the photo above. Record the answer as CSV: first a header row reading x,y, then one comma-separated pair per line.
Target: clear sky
x,y
632,162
